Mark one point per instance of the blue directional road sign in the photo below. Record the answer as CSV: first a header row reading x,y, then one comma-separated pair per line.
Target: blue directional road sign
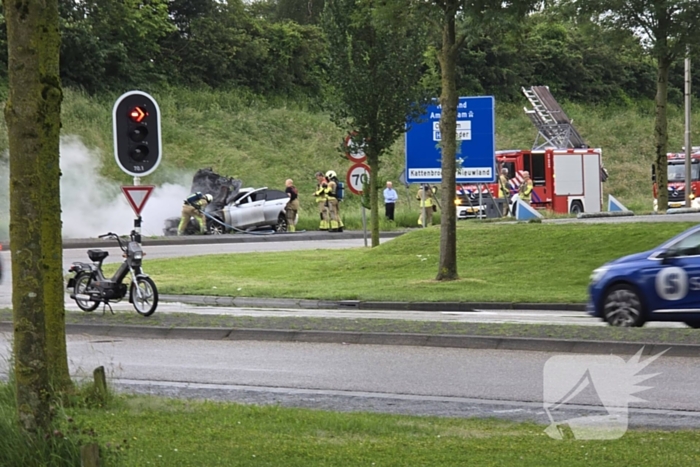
x,y
476,143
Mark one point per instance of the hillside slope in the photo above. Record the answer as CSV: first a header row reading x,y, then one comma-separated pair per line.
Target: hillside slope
x,y
265,143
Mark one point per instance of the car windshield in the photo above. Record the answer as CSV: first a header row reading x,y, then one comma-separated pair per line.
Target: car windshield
x,y
676,171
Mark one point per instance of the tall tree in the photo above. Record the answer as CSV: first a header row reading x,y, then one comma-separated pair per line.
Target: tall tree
x,y
669,27
375,69
451,42
32,113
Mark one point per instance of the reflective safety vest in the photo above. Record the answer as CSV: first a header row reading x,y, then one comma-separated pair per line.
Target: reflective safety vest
x,y
428,202
321,193
525,191
503,191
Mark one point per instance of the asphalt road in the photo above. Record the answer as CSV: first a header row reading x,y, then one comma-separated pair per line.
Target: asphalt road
x,y
414,380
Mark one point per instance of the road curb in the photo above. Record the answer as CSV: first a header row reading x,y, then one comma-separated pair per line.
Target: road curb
x,y
207,300
604,214
73,243
381,338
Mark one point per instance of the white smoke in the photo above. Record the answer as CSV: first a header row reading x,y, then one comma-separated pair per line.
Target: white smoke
x,y
92,204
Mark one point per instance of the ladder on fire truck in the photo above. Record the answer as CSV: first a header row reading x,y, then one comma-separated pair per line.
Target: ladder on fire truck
x,y
554,127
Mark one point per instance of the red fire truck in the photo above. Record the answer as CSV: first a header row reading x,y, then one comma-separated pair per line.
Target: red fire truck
x,y
567,175
676,180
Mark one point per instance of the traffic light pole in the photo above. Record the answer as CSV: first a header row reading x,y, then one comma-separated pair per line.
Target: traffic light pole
x,y
137,221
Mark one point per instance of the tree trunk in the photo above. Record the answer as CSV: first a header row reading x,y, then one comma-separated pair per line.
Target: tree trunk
x,y
661,133
374,198
447,269
32,113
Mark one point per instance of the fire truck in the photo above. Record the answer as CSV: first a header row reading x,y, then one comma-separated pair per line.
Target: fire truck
x,y
567,175
676,180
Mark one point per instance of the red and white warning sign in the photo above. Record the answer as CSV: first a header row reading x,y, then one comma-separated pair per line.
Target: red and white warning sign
x,y
137,196
357,176
353,151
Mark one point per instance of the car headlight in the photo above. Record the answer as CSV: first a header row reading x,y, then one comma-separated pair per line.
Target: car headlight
x,y
598,274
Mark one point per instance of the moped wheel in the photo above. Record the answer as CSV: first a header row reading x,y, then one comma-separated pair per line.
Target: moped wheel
x,y
81,282
147,303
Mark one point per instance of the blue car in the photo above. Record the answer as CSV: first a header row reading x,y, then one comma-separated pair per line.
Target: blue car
x,y
662,284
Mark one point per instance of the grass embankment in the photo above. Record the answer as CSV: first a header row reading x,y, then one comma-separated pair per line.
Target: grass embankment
x,y
264,143
152,431
497,263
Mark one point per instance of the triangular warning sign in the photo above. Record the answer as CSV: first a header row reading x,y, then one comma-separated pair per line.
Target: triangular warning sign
x,y
614,205
137,196
525,212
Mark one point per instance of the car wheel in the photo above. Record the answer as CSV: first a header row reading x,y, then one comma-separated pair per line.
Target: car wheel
x,y
215,228
622,306
576,207
693,324
281,225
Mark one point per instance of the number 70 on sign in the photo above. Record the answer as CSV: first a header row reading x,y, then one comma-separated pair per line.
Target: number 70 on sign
x,y
357,176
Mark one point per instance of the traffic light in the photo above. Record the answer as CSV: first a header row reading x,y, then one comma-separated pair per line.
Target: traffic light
x,y
137,143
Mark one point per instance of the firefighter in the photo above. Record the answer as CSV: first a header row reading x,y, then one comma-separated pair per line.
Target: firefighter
x,y
525,190
425,198
321,196
503,191
336,224
292,207
194,208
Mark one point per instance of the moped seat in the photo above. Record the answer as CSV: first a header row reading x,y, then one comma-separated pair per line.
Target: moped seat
x,y
97,255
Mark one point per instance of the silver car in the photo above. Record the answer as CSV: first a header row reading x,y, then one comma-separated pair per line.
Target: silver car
x,y
251,208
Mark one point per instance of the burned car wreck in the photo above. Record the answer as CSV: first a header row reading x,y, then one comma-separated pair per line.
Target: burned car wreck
x,y
234,208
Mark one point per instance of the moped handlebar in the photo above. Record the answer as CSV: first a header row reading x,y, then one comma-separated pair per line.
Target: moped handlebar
x,y
132,235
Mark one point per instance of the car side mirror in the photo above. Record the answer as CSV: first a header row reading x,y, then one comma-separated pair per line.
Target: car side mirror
x,y
666,255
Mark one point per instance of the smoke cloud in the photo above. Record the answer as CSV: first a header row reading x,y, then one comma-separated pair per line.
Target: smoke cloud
x,y
92,204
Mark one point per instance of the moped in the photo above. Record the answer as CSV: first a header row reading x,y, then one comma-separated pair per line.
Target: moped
x,y
91,287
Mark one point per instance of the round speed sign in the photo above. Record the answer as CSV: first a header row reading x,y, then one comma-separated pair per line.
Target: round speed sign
x,y
357,176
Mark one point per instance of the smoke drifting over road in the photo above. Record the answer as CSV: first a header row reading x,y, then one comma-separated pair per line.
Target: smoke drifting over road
x,y
92,204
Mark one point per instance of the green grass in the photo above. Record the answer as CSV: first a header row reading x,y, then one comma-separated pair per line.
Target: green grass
x,y
161,432
264,143
504,263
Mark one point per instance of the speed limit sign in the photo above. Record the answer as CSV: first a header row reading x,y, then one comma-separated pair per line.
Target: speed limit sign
x,y
357,176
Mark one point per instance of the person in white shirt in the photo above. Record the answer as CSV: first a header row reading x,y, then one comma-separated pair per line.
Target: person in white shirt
x,y
390,198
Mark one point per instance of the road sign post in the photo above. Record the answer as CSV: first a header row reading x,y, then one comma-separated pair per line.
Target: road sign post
x,y
358,175
476,144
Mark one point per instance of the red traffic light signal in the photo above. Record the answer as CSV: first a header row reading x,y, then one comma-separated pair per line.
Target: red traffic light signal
x,y
137,142
137,114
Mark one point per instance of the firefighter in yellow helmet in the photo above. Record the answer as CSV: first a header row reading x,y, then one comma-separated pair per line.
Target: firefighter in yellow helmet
x,y
194,208
321,196
336,223
425,197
